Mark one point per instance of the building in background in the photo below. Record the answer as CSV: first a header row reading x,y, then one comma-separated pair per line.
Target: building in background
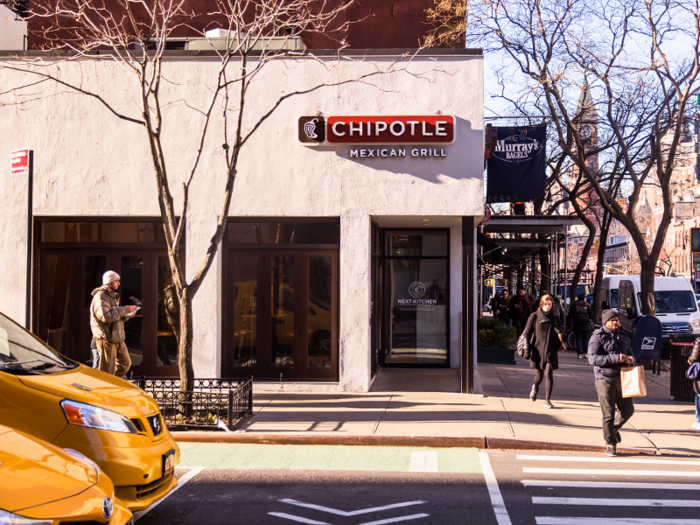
x,y
13,31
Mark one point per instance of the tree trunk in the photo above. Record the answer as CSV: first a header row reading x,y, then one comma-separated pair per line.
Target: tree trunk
x,y
599,268
581,263
647,281
184,352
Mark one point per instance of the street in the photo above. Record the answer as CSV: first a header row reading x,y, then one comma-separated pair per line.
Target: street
x,y
436,486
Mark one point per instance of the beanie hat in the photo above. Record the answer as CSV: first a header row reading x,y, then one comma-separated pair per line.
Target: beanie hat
x,y
609,314
110,277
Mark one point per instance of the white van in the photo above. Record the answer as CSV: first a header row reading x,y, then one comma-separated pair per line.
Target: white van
x,y
609,289
676,307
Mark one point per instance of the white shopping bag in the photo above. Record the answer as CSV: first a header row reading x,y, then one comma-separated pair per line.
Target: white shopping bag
x,y
633,381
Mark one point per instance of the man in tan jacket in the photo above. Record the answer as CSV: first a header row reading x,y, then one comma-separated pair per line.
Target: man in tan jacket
x,y
106,322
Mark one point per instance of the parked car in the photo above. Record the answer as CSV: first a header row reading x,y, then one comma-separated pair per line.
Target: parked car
x,y
41,484
105,418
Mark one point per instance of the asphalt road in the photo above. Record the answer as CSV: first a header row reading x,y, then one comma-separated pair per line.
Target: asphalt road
x,y
504,488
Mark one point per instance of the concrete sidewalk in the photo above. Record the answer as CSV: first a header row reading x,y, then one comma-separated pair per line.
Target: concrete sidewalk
x,y
424,407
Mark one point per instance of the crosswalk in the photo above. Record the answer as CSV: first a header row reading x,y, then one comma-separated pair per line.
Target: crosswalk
x,y
581,490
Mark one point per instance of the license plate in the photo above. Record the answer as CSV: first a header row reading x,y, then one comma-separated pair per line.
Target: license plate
x,y
168,462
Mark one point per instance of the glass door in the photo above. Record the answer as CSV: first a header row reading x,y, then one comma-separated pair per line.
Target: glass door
x,y
416,266
284,314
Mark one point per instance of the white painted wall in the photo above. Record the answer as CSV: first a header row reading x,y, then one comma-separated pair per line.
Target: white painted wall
x,y
89,163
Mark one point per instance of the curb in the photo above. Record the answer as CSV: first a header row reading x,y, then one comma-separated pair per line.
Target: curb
x,y
403,441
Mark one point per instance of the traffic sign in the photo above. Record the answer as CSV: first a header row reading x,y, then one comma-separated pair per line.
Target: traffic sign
x,y
20,162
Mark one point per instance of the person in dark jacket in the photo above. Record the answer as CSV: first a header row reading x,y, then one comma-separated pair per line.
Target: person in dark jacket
x,y
609,349
694,358
500,308
519,310
581,313
543,335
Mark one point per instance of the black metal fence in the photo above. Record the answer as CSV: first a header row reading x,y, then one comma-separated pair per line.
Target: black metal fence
x,y
218,403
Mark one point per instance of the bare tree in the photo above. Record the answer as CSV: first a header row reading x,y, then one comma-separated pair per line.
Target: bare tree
x,y
641,81
135,34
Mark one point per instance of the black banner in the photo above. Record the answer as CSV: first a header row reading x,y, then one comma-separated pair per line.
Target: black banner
x,y
516,168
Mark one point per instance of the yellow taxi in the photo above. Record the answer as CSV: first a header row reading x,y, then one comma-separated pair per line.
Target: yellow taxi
x,y
41,484
107,419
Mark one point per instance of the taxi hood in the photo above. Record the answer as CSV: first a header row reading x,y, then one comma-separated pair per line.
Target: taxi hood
x,y
93,387
33,472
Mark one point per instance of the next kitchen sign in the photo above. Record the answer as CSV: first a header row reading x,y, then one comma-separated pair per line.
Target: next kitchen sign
x,y
389,130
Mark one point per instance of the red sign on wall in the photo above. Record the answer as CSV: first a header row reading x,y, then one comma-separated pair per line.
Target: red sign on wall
x,y
403,129
20,162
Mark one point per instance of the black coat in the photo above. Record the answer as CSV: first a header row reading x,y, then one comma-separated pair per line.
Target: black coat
x,y
519,307
604,349
542,333
694,358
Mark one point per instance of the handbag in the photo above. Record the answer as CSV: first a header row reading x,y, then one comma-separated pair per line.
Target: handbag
x,y
692,372
633,381
522,347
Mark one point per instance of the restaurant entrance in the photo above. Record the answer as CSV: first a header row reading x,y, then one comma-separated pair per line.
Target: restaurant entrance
x,y
414,282
71,257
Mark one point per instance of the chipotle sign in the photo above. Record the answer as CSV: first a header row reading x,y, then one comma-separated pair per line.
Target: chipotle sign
x,y
411,129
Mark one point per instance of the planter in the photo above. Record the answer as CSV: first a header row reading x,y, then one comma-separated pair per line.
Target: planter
x,y
214,404
495,354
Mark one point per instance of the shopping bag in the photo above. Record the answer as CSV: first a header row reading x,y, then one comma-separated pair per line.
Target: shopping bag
x,y
633,381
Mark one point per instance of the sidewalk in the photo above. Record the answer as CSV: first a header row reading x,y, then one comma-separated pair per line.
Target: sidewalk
x,y
423,407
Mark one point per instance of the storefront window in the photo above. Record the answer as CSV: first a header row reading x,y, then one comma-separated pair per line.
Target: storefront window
x,y
94,266
282,311
412,243
245,314
284,232
131,292
168,315
57,299
102,232
319,320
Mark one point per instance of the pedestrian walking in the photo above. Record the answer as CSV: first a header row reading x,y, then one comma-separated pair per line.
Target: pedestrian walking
x,y
106,322
609,350
695,358
544,338
519,310
581,313
500,304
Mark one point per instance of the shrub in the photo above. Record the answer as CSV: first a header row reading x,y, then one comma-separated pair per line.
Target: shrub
x,y
491,332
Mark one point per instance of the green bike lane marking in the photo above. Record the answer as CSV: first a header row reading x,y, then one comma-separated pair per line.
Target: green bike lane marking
x,y
323,457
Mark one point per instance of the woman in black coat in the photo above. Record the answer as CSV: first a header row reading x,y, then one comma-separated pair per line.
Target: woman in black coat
x,y
543,334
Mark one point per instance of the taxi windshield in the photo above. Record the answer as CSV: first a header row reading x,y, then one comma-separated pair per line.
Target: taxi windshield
x,y
23,354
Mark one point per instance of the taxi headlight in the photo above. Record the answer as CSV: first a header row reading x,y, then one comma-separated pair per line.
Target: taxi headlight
x,y
7,518
90,416
696,323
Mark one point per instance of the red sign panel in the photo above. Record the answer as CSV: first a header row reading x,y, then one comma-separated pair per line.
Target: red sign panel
x,y
401,238
20,162
412,129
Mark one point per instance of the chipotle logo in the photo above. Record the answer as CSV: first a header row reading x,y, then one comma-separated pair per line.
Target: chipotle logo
x,y
411,129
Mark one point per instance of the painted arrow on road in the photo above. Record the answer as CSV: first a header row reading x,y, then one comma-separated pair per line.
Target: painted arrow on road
x,y
347,514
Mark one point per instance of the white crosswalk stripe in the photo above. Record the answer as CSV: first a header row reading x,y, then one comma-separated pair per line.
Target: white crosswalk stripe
x,y
604,491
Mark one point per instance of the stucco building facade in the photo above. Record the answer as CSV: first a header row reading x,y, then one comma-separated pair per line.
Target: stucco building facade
x,y
334,263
